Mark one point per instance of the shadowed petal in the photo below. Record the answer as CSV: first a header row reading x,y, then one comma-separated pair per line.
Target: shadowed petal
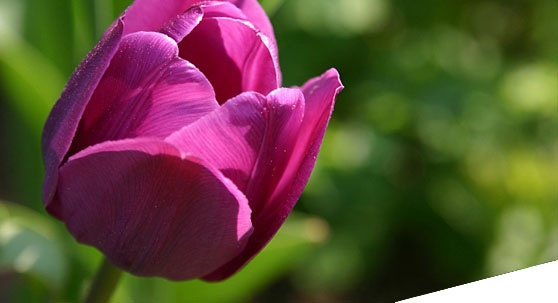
x,y
63,120
257,16
320,96
147,91
151,209
248,10
233,55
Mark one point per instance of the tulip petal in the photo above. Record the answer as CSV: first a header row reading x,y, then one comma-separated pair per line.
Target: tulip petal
x,y
151,15
320,96
146,91
257,16
181,25
63,120
249,137
233,55
248,10
229,138
213,9
151,209
285,115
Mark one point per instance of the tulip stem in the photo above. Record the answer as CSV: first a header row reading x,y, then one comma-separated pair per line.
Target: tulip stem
x,y
104,284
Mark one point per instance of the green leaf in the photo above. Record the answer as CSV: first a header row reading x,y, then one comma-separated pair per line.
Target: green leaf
x,y
48,26
271,6
83,28
31,82
29,245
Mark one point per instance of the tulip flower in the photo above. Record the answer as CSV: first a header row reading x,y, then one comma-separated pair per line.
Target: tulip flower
x,y
173,148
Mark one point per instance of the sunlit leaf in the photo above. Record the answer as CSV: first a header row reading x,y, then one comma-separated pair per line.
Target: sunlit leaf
x,y
31,82
271,6
47,27
29,245
83,25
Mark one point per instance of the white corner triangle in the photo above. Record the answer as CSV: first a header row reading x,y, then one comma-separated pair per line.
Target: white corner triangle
x,y
537,284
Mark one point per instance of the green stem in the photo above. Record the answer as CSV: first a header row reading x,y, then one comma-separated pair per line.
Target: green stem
x,y
104,284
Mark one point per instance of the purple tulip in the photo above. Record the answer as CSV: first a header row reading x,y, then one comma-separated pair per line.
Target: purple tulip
x,y
173,148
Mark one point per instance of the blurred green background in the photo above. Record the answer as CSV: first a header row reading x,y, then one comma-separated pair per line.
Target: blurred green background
x,y
440,166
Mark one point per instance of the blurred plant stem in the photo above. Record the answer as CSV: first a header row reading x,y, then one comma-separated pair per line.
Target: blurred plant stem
x,y
104,284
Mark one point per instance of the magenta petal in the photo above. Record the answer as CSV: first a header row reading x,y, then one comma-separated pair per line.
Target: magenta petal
x,y
151,15
248,10
63,120
181,25
320,96
257,16
152,211
233,55
250,139
213,9
285,114
146,91
229,138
